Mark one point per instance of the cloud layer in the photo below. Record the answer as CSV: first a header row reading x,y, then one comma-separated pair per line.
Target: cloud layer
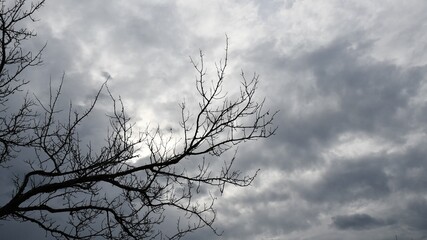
x,y
349,78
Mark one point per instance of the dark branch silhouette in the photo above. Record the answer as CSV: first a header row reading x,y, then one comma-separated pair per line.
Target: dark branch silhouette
x,y
73,191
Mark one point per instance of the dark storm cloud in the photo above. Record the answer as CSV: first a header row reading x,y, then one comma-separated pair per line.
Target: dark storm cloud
x,y
345,182
368,94
415,214
339,90
335,90
357,222
407,170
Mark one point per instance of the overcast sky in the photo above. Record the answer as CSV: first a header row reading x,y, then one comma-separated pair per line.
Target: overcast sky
x,y
348,76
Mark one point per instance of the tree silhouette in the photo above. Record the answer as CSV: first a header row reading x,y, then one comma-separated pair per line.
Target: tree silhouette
x,y
73,191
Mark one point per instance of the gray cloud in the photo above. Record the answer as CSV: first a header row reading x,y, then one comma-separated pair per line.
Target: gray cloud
x,y
357,222
349,181
414,214
348,78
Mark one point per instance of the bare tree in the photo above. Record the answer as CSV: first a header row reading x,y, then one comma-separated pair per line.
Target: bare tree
x,y
14,60
73,191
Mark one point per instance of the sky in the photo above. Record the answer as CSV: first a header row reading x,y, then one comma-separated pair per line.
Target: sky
x,y
348,77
